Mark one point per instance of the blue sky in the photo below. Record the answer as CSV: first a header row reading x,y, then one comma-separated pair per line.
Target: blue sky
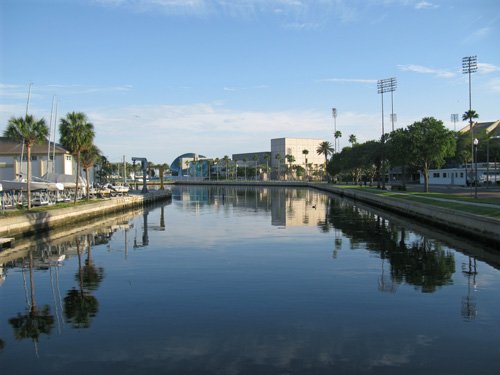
x,y
158,78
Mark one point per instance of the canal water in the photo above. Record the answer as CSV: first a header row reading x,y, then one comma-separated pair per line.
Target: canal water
x,y
225,280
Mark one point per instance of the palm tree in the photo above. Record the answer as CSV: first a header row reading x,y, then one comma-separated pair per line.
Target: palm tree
x,y
338,134
470,115
326,149
266,158
305,152
217,160
278,157
88,159
226,162
290,159
30,132
77,135
352,140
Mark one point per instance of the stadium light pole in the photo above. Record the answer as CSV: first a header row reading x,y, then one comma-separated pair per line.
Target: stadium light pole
x,y
469,66
334,114
383,86
454,119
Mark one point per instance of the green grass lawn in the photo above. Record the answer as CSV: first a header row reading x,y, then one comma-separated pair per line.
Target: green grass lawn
x,y
453,201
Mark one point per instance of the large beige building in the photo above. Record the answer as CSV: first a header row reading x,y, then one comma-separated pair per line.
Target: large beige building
x,y
295,147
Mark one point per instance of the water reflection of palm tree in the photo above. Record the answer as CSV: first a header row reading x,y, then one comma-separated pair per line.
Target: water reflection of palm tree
x,y
79,305
469,310
36,321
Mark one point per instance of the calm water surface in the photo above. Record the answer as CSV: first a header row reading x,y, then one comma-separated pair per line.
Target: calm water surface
x,y
250,281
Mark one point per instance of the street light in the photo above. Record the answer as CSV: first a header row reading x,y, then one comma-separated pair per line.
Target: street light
x,y
475,143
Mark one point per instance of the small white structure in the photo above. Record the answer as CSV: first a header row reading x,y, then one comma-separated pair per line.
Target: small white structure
x,y
449,176
464,175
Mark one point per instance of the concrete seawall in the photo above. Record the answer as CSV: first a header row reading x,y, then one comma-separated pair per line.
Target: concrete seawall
x,y
33,222
485,229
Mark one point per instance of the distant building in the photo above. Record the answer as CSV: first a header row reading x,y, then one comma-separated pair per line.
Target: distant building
x,y
60,161
492,128
295,147
181,164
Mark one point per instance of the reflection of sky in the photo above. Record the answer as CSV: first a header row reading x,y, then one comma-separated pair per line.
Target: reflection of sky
x,y
222,291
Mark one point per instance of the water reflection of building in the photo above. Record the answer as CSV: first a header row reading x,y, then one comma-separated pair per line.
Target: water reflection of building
x,y
289,207
297,207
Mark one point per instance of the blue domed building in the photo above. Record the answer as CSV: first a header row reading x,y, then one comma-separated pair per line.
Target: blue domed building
x,y
179,168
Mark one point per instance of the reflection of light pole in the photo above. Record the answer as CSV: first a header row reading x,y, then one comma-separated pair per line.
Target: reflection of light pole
x,y
476,142
454,119
334,114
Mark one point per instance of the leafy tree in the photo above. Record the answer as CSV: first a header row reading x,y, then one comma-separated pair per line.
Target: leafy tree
x,y
398,145
431,143
77,135
29,131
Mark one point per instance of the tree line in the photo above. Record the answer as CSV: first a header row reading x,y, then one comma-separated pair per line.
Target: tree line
x,y
424,145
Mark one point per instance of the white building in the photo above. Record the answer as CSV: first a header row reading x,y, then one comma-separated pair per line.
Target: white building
x,y
295,147
60,161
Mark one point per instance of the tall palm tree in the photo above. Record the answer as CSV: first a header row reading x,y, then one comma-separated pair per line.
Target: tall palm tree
x,y
77,135
216,161
278,157
325,148
226,163
266,158
290,159
29,131
305,152
353,140
337,135
470,115
88,159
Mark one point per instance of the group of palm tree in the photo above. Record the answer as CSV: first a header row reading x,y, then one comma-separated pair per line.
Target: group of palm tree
x,y
76,135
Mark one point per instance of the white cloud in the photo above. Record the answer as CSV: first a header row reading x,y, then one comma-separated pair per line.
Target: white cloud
x,y
426,70
485,68
167,131
425,5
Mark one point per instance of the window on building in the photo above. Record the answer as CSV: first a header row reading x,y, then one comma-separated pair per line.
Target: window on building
x,y
34,157
435,175
461,174
444,174
68,158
